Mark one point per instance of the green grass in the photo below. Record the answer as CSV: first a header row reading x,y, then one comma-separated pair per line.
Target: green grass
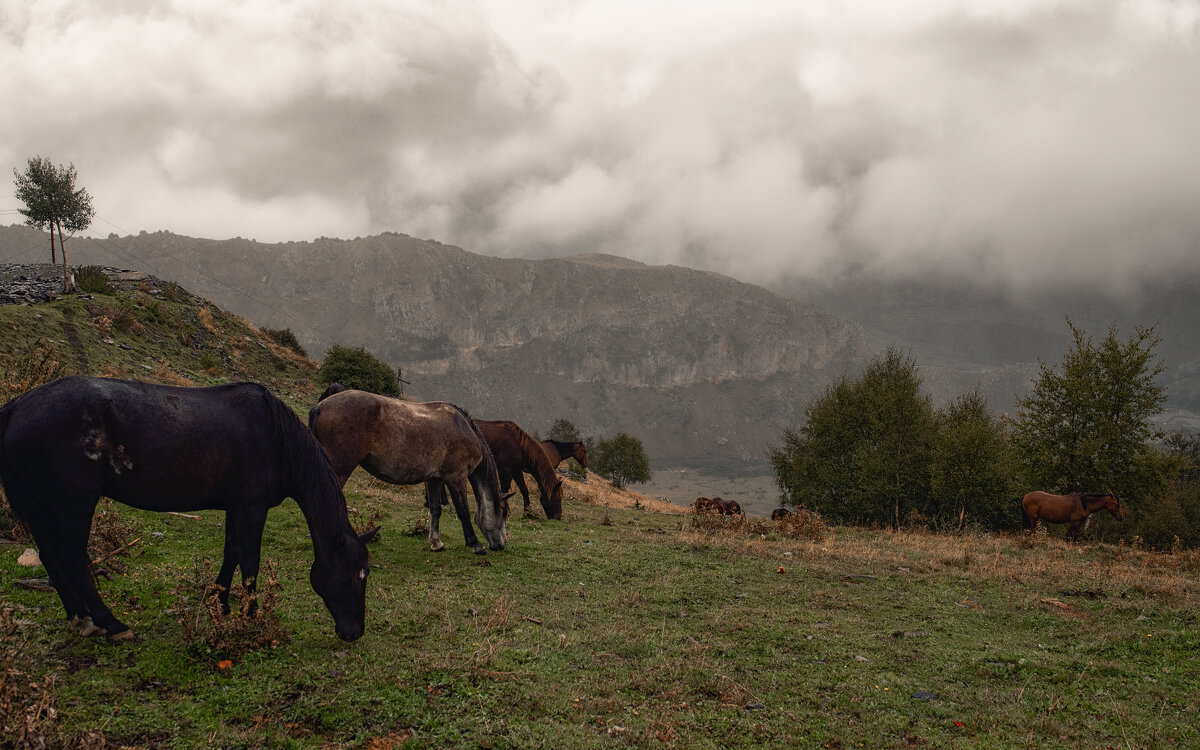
x,y
582,634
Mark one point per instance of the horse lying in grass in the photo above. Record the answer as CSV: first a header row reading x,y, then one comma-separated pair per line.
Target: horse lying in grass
x,y
1072,509
408,442
718,506
235,448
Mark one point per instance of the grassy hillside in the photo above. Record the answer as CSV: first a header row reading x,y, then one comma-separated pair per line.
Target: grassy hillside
x,y
148,330
621,627
626,624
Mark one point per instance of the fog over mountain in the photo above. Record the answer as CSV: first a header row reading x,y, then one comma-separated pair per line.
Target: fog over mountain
x,y
1019,143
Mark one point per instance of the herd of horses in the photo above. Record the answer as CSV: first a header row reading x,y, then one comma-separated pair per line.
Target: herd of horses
x,y
240,449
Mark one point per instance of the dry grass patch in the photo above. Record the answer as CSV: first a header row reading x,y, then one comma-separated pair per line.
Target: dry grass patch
x,y
599,491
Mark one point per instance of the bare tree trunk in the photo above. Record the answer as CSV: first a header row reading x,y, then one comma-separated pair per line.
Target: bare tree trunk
x,y
63,249
53,257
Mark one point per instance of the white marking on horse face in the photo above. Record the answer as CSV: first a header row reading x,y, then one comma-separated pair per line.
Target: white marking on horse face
x,y
362,574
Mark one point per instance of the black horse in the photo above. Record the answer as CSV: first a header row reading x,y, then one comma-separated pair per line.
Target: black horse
x,y
235,448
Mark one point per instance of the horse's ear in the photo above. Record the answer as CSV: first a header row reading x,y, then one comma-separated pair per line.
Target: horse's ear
x,y
369,535
507,495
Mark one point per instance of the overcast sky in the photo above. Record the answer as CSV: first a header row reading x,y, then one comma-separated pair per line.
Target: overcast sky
x,y
1028,140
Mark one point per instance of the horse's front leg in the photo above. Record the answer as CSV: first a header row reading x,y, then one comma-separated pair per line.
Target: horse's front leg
x,y
519,478
248,523
1072,531
229,562
433,500
458,495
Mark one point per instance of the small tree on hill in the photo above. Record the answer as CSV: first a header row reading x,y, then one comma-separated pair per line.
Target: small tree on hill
x,y
564,430
620,459
971,475
862,455
358,369
1086,425
52,201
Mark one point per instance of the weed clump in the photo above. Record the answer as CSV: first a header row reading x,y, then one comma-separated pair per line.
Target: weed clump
x,y
286,338
112,531
255,627
93,280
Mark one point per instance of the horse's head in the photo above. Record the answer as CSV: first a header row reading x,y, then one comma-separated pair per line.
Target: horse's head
x,y
579,453
492,517
1113,505
553,504
341,582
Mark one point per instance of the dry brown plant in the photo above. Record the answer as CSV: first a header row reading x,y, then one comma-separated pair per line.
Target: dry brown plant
x,y
255,626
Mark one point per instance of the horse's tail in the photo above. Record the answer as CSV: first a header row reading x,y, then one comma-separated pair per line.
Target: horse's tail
x,y
13,491
491,475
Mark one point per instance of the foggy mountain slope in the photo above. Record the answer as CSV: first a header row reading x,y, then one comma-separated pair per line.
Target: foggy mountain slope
x,y
962,334
705,369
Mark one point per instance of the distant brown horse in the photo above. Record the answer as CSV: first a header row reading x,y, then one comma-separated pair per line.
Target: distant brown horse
x,y
517,452
779,513
717,506
408,442
560,450
1070,509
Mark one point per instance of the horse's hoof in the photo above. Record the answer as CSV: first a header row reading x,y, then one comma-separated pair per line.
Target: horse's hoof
x,y
437,547
87,627
121,637
479,549
75,623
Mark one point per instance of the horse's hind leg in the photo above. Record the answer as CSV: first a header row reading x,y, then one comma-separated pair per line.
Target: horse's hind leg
x,y
433,500
229,563
78,571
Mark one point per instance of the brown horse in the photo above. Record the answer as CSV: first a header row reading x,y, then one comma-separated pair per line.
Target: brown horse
x,y
516,453
560,450
779,513
407,442
1070,509
717,506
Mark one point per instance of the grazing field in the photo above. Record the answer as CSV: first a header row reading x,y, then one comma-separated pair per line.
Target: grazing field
x,y
623,627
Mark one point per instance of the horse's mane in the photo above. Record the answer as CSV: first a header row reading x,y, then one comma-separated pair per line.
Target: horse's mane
x,y
535,459
489,462
312,483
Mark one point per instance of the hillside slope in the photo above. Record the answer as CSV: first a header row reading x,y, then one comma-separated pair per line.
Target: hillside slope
x,y
704,369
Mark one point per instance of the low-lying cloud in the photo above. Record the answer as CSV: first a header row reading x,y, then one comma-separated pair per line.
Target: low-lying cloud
x,y
1028,142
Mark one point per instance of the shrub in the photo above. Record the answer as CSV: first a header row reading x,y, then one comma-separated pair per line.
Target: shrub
x,y
620,459
285,337
358,369
93,280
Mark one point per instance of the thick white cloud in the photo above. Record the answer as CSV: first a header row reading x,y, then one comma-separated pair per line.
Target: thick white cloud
x,y
1038,140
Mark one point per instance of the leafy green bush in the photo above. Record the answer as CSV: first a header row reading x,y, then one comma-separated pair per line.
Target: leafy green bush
x,y
93,280
358,369
620,459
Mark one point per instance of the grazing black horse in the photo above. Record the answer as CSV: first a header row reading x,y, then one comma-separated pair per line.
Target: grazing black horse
x,y
234,447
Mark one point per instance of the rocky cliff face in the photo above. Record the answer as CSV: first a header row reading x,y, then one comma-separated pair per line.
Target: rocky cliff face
x,y
705,369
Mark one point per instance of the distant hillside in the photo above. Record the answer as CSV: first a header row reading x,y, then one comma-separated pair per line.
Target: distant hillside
x,y
705,369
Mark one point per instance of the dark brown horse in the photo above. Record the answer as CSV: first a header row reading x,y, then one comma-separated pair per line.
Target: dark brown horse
x,y
560,450
517,452
235,448
1070,509
407,442
779,513
717,506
